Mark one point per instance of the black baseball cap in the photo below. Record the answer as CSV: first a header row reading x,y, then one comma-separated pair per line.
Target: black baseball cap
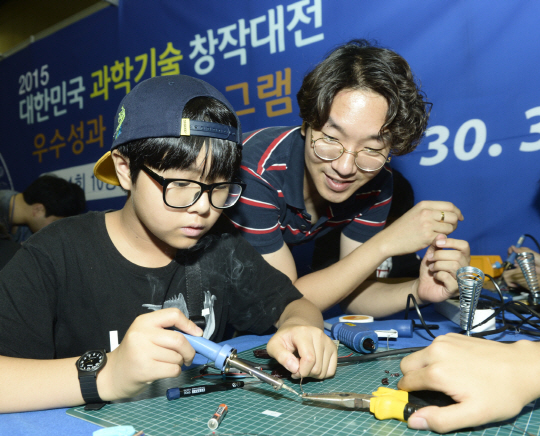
x,y
153,109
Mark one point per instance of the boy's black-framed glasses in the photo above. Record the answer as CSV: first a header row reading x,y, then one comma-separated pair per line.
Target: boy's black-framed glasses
x,y
182,193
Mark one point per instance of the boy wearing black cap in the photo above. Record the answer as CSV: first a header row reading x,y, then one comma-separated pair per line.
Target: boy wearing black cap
x,y
85,284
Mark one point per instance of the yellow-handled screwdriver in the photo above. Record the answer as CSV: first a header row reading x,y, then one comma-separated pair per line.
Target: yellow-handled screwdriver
x,y
384,403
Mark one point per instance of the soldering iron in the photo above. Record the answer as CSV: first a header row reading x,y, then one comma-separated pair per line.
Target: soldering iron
x,y
224,357
509,262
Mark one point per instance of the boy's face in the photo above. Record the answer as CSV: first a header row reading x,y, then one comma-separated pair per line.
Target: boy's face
x,y
355,120
178,228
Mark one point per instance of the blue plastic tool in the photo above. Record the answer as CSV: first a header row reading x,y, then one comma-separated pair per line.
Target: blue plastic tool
x,y
404,327
512,256
212,351
224,356
356,337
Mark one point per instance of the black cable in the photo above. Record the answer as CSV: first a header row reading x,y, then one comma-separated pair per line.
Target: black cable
x,y
535,241
409,298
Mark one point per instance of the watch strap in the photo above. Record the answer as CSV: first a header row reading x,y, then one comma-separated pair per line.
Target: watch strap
x,y
89,388
88,383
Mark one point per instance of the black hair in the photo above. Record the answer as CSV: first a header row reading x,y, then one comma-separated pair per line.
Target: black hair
x,y
59,197
360,64
180,153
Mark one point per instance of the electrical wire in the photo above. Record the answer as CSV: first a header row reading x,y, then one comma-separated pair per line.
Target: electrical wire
x,y
421,318
535,241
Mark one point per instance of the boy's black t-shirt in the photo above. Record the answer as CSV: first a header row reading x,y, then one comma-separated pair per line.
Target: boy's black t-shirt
x,y
68,289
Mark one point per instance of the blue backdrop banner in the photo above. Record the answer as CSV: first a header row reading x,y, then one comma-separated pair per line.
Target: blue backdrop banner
x,y
478,63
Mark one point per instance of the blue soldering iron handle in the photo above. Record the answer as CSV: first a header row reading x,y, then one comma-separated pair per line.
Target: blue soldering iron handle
x,y
512,256
356,337
212,351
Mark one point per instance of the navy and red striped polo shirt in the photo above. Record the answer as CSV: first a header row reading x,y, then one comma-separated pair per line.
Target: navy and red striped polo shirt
x,y
272,210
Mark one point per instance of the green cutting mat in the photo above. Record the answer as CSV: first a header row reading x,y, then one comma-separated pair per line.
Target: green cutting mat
x,y
259,410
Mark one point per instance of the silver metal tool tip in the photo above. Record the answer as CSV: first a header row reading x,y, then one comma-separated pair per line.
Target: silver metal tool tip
x,y
284,386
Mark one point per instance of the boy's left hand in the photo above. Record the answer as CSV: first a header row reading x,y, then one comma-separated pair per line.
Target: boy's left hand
x,y
317,353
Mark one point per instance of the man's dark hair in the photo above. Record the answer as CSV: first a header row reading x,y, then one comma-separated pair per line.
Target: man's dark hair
x,y
361,65
180,153
59,197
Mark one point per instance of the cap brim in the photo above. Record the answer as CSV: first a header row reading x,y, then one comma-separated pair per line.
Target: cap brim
x,y
104,170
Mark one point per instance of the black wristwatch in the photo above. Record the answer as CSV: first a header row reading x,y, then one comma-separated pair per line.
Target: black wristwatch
x,y
88,366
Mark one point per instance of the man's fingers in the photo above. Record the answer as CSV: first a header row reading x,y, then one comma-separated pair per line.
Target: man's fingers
x,y
442,206
455,244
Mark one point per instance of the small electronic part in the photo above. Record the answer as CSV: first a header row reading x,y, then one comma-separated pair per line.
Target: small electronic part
x,y
261,354
218,416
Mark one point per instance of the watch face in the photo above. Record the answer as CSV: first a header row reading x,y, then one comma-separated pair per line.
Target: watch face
x,y
91,360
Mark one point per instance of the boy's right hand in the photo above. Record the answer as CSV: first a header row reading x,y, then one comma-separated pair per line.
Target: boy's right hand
x,y
147,353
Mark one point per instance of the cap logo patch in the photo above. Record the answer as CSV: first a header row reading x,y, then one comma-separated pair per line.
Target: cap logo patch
x,y
121,118
185,127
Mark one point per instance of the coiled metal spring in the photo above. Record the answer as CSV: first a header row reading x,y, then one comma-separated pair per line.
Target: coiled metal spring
x,y
526,262
470,283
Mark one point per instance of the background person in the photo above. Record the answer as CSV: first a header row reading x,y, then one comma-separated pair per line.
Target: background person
x,y
47,199
8,248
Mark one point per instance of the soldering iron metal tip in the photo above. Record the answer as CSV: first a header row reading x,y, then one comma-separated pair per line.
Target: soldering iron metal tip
x,y
284,386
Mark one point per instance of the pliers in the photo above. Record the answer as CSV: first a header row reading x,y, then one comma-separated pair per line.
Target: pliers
x,y
384,403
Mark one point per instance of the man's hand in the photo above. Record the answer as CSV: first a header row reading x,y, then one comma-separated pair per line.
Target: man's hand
x,y
489,381
317,353
147,353
437,280
419,226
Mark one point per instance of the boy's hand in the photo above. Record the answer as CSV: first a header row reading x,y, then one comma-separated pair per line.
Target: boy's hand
x,y
317,353
147,353
438,269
